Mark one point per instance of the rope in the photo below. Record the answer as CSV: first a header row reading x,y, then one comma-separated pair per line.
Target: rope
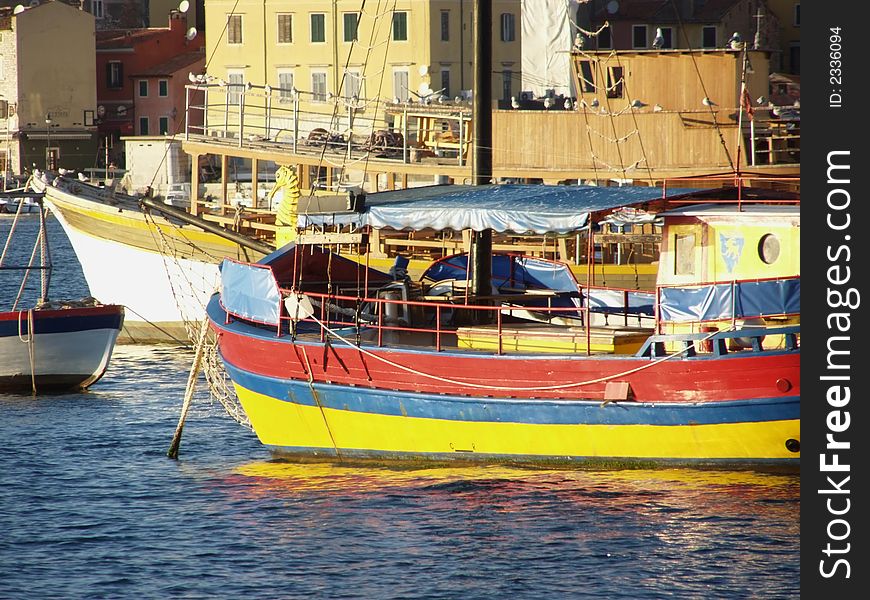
x,y
498,387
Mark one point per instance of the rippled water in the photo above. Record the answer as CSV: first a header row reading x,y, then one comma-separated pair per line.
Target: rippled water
x,y
90,507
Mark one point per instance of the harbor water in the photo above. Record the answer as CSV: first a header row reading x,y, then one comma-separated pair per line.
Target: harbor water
x,y
91,507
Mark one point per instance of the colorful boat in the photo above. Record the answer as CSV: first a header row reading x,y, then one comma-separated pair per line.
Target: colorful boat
x,y
55,345
325,368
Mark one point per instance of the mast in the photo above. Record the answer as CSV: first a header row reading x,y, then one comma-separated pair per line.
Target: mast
x,y
481,241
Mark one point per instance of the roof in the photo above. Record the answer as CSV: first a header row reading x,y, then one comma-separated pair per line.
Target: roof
x,y
127,38
752,211
173,65
515,208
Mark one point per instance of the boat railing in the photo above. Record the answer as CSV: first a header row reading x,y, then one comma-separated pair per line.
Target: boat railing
x,y
658,345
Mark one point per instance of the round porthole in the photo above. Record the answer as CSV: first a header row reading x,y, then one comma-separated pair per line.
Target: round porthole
x,y
768,248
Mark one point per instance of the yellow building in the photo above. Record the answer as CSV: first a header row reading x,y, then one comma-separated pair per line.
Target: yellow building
x,y
788,14
331,51
51,98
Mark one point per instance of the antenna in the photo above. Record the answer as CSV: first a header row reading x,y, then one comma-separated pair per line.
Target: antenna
x,y
191,33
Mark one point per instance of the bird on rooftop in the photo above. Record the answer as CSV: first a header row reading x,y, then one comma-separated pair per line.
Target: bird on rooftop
x,y
638,104
594,103
548,102
657,108
659,39
82,177
568,104
761,100
457,99
707,102
579,41
514,102
735,41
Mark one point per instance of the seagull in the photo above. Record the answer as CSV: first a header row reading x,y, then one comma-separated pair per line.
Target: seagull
x,y
457,99
707,102
658,108
659,40
568,104
548,102
82,177
638,104
396,100
735,41
594,103
579,41
761,100
514,103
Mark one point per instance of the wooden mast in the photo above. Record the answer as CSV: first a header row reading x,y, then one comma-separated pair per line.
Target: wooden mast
x,y
481,246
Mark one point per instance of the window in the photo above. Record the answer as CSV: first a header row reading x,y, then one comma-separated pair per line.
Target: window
x,y
400,84
604,41
708,36
285,82
98,9
400,26
445,81
638,36
445,25
318,86
614,82
164,125
285,29
143,88
508,27
234,29
506,76
794,57
143,125
114,74
352,85
684,254
163,88
587,79
350,27
318,27
668,37
235,85
768,248
797,14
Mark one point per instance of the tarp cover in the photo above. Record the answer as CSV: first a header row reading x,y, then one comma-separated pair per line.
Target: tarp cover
x,y
250,292
520,209
714,302
548,34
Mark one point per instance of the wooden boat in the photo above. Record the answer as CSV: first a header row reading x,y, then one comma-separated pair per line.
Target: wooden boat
x,y
334,361
55,345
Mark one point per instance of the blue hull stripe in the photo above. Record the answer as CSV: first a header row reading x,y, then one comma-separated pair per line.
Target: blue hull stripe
x,y
557,412
61,324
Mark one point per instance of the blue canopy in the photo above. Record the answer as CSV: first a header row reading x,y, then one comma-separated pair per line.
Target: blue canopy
x,y
522,209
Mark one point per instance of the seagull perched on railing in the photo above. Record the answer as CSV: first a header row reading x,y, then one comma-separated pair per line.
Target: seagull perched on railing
x,y
735,42
579,41
514,103
548,102
707,102
594,103
638,104
659,39
568,104
657,108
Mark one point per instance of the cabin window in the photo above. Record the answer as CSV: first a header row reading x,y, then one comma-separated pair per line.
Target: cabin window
x,y
604,41
97,7
708,36
285,29
318,27
114,74
163,88
638,36
318,86
508,27
445,82
768,248
234,29
614,82
351,21
143,125
684,254
797,14
587,79
400,26
143,88
445,25
163,124
285,85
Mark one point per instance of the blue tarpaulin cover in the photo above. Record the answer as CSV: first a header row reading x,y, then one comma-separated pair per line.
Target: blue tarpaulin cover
x,y
529,209
250,291
724,301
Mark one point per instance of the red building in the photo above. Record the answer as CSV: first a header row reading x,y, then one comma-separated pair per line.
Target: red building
x,y
121,54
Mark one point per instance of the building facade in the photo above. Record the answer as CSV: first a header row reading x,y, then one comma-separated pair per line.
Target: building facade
x,y
51,96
